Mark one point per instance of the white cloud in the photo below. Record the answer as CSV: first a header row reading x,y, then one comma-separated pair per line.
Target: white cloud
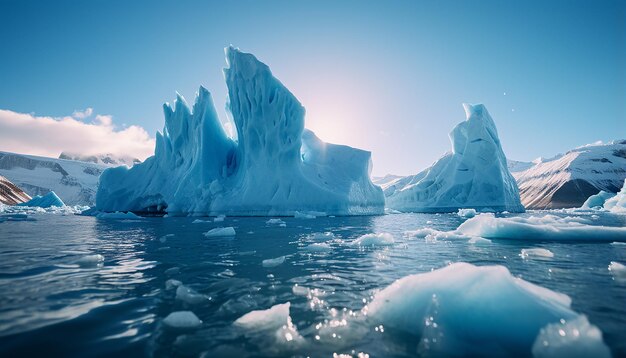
x,y
78,114
49,136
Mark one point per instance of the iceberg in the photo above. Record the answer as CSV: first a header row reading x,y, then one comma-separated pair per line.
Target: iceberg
x,y
474,175
45,201
467,310
275,167
617,203
597,200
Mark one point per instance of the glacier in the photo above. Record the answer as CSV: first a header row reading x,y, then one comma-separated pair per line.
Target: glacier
x,y
474,175
275,167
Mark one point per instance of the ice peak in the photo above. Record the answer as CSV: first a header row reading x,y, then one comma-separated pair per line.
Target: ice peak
x,y
473,109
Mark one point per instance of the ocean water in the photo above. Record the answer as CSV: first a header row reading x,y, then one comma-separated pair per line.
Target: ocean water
x,y
58,299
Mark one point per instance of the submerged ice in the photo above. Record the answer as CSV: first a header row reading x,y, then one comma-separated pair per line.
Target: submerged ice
x,y
275,167
474,175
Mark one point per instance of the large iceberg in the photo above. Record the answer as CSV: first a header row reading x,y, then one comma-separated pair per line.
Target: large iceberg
x,y
474,175
275,167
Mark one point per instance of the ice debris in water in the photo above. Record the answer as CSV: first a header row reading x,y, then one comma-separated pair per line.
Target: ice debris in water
x,y
536,252
306,215
573,338
200,221
182,320
219,218
171,284
274,322
189,296
117,215
452,308
618,270
432,235
278,222
318,247
91,260
548,227
467,213
375,239
321,236
273,262
221,231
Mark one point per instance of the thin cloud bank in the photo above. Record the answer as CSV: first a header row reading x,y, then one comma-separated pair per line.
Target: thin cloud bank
x,y
49,136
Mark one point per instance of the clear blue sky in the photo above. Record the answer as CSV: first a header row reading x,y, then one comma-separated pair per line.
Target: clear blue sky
x,y
387,76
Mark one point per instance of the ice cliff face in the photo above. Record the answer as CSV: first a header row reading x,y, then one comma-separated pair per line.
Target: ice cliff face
x,y
473,175
567,180
74,182
275,167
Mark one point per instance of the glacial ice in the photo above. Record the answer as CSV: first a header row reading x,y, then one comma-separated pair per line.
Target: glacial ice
x,y
220,231
273,262
182,320
474,175
618,270
467,213
575,338
617,204
274,321
117,215
276,167
536,252
45,201
597,200
467,310
547,227
374,240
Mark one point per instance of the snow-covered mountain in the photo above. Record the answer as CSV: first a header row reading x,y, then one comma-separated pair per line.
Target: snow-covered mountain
x,y
75,182
10,194
474,175
108,159
276,167
567,180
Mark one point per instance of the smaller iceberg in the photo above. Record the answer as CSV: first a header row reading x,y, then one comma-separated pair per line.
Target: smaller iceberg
x,y
597,200
49,200
474,175
467,310
617,204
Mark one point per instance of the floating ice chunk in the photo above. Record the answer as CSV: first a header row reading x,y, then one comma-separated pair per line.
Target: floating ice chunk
x,y
221,231
548,227
618,243
278,222
455,302
537,252
319,236
273,262
432,235
318,247
376,239
303,215
189,296
467,213
182,320
597,200
49,200
618,270
171,284
574,338
118,215
219,218
300,290
275,322
199,221
91,260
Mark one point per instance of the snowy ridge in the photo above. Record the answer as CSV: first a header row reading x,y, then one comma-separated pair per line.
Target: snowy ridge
x,y
567,180
74,182
276,167
473,175
10,194
108,159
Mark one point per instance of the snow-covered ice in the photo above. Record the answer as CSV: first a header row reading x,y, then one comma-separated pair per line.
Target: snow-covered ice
x,y
474,175
536,252
575,338
221,231
447,309
374,239
547,227
182,320
273,262
275,167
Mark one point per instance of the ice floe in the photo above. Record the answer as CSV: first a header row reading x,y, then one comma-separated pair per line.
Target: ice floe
x,y
182,320
273,322
575,338
375,239
221,231
618,270
318,247
273,262
536,252
448,309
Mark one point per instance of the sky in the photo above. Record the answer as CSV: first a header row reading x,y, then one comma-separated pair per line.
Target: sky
x,y
385,76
